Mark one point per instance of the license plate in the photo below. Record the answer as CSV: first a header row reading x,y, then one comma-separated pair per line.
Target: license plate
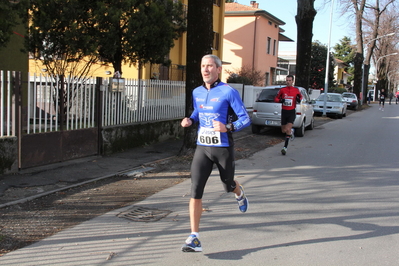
x,y
272,123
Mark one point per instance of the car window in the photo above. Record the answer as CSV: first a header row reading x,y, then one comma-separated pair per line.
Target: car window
x,y
305,95
267,95
320,98
335,98
330,98
349,95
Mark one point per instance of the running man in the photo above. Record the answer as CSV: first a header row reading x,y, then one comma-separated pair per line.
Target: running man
x,y
215,105
288,96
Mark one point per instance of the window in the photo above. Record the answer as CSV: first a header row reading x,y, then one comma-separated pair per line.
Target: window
x,y
267,78
292,69
274,47
216,2
268,45
216,41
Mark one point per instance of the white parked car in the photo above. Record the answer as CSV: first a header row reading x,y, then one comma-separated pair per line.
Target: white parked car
x,y
267,113
351,100
335,105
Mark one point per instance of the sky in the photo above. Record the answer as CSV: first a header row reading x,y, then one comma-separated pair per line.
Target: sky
x,y
286,10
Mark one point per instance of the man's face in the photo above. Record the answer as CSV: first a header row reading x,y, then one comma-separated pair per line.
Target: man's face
x,y
289,81
209,70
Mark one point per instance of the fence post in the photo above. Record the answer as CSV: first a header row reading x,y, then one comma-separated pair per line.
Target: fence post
x,y
99,113
17,117
61,96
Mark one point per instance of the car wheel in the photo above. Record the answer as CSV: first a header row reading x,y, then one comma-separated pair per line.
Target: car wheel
x,y
255,129
311,125
299,132
339,116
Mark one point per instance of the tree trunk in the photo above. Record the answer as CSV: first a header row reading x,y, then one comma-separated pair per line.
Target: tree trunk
x,y
359,56
366,73
357,80
304,20
199,43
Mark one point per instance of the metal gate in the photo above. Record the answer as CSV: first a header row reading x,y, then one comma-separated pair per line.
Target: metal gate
x,y
58,119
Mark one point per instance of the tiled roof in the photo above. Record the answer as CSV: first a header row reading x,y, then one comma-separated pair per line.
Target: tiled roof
x,y
238,7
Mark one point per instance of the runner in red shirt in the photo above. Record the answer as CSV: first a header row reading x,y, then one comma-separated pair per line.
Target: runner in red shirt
x,y
288,97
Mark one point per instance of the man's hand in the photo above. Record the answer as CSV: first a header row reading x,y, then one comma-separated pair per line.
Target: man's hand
x,y
282,100
219,126
186,122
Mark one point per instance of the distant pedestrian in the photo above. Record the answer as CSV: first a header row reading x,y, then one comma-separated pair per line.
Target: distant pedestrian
x,y
383,96
219,111
288,96
370,96
390,97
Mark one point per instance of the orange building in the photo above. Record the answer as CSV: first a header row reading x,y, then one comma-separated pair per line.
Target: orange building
x,y
251,38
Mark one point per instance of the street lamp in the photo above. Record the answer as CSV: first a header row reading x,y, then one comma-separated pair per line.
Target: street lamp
x,y
363,82
328,62
376,64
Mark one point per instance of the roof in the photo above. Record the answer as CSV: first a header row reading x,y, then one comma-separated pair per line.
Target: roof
x,y
340,63
283,38
236,9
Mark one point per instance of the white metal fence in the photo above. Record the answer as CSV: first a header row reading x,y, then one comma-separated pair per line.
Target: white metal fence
x,y
142,101
49,96
71,103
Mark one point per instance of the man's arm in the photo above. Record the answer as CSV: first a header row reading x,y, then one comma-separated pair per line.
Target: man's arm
x,y
243,118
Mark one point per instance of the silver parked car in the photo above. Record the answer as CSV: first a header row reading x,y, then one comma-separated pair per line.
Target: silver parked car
x,y
335,105
267,113
351,100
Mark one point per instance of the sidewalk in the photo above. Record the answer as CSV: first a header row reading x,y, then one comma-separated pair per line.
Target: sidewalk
x,y
39,181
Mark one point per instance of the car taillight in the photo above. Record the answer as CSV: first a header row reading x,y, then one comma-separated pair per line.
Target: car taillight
x,y
354,101
255,111
298,113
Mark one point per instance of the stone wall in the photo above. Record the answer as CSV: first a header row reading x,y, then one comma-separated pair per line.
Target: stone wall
x,y
121,138
8,155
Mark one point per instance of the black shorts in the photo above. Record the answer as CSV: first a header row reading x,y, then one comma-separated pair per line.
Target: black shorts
x,y
202,165
288,116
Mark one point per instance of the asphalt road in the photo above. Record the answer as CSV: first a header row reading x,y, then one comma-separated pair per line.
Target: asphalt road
x,y
332,200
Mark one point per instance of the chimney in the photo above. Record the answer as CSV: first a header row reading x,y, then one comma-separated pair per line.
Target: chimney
x,y
254,4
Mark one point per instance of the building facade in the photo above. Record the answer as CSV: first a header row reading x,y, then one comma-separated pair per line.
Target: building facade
x,y
251,39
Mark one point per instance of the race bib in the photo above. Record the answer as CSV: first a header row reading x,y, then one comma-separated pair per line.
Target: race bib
x,y
287,102
208,136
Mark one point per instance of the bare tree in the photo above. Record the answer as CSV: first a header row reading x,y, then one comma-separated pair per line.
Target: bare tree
x,y
385,56
372,25
304,20
358,7
246,75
